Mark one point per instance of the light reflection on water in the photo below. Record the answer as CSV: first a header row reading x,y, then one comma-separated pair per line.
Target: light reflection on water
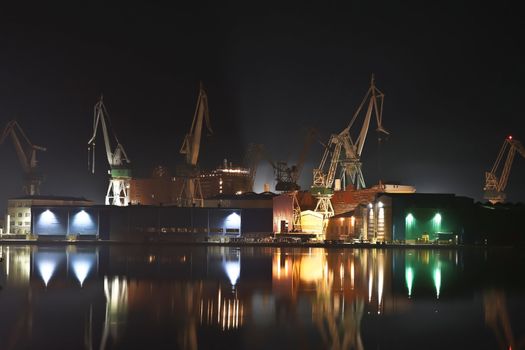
x,y
100,297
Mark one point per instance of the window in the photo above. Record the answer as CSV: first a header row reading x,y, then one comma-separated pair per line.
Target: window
x,y
28,223
20,223
19,215
28,215
12,223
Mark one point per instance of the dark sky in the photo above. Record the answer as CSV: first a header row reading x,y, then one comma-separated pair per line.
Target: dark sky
x,y
452,73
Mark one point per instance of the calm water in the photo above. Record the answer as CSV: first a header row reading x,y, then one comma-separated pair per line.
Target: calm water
x,y
122,297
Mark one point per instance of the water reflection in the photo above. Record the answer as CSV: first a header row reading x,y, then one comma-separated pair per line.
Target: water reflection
x,y
190,298
116,293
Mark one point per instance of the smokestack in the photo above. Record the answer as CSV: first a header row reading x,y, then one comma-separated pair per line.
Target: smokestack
x,y
266,187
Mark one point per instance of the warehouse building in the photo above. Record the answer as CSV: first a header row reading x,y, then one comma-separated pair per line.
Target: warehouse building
x,y
410,218
149,223
18,218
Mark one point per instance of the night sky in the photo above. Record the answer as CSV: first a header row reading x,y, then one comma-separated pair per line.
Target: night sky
x,y
452,74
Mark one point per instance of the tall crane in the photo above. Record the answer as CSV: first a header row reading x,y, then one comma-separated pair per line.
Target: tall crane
x,y
351,157
119,163
191,193
494,184
26,153
323,181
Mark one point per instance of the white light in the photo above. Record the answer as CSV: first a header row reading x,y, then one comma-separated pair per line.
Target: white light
x,y
81,269
47,217
82,219
380,204
233,220
46,268
233,270
370,205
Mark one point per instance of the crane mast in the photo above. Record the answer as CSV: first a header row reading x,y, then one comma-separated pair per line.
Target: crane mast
x,y
191,193
495,185
118,161
26,153
323,182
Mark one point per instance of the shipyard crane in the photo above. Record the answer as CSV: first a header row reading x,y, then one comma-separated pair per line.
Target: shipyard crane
x,y
191,193
494,184
119,163
323,181
26,152
351,157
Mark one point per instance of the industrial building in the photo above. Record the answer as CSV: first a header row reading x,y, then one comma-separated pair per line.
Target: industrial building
x,y
409,218
148,223
18,218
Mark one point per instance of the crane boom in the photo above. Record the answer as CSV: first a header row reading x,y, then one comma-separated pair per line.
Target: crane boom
x,y
115,157
118,161
351,161
26,153
191,191
191,144
495,186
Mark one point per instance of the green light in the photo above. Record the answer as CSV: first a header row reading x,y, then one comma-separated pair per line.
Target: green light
x,y
409,277
437,219
409,220
437,280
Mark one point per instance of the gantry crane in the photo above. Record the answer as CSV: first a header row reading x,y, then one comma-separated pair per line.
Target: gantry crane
x,y
351,172
191,193
119,163
26,152
494,184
